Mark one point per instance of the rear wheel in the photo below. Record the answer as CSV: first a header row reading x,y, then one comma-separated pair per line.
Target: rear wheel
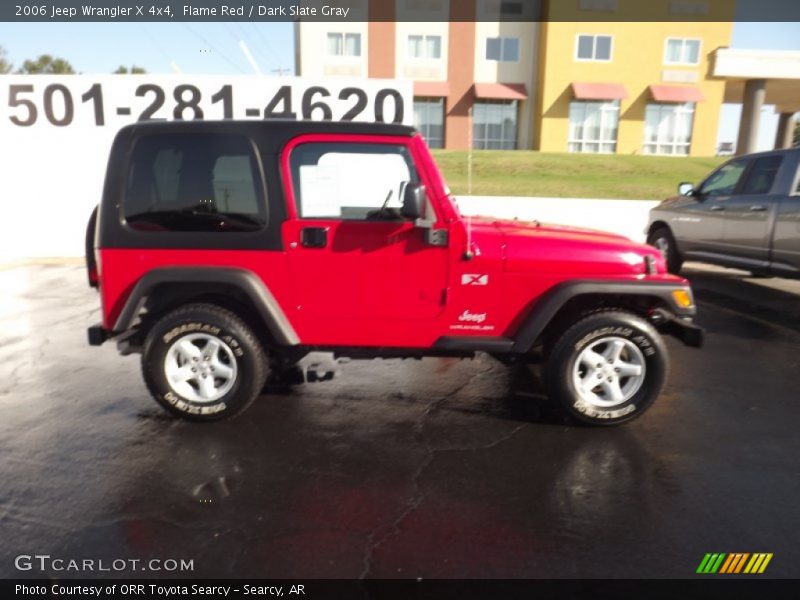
x,y
608,368
662,239
203,363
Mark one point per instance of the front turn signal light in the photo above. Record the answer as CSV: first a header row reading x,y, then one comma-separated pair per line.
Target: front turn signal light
x,y
683,298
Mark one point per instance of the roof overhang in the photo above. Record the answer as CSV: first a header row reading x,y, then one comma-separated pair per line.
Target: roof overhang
x,y
599,91
779,68
501,91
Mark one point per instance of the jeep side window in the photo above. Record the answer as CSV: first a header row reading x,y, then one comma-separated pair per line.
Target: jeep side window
x,y
194,182
725,179
350,181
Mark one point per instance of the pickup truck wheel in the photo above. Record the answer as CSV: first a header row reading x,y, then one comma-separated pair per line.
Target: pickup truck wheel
x,y
608,368
662,239
203,363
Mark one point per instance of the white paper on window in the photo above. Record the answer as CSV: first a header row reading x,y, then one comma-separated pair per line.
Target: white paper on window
x,y
319,191
366,179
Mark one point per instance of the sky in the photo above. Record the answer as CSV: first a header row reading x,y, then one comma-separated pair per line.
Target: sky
x,y
213,48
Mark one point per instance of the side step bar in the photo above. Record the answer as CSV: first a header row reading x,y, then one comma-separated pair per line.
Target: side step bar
x,y
467,343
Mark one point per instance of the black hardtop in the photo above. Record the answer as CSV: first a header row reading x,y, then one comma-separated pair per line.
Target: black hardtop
x,y
269,135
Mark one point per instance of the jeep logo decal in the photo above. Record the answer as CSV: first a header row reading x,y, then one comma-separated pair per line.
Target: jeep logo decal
x,y
468,317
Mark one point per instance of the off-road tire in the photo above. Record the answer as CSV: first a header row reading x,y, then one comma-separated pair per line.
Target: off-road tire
x,y
662,238
239,344
637,338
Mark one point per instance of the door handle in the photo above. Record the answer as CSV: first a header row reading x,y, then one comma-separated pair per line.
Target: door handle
x,y
314,237
758,208
717,207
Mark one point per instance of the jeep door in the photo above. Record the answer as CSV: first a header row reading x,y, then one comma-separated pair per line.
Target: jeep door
x,y
361,273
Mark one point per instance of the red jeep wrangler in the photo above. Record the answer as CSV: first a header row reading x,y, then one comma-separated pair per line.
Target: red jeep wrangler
x,y
224,251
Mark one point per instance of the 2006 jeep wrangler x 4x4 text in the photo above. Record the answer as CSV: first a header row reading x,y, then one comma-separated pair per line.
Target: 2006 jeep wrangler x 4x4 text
x,y
227,251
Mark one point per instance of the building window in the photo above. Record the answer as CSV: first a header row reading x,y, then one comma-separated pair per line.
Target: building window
x,y
668,128
429,120
680,51
425,46
504,8
344,44
494,125
502,49
593,47
593,126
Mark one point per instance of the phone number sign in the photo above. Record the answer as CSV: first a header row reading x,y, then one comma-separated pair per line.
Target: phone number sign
x,y
64,101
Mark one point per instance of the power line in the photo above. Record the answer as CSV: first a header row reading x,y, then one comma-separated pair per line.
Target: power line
x,y
157,46
211,46
239,37
266,44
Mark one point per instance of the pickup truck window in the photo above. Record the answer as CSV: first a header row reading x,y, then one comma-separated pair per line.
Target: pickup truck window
x,y
725,179
350,181
762,175
194,182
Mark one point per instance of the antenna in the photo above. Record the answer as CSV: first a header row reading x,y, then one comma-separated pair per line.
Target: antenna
x,y
469,154
468,254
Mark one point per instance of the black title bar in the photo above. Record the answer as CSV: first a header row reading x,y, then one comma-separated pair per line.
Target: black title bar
x,y
400,10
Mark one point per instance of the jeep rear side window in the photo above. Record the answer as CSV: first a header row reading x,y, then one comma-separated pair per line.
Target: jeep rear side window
x,y
194,182
350,181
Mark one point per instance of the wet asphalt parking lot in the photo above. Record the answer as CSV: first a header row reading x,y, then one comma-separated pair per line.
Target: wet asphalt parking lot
x,y
436,468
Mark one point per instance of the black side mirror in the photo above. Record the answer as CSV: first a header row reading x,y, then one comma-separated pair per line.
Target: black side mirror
x,y
413,201
686,189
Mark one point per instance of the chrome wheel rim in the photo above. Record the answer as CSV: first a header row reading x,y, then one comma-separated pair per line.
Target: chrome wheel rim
x,y
200,367
609,372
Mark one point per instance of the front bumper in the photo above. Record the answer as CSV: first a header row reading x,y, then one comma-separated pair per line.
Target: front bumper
x,y
679,327
97,335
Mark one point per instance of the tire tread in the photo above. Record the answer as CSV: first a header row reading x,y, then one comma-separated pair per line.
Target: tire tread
x,y
244,330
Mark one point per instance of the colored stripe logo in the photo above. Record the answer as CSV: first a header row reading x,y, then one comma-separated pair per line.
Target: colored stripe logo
x,y
734,563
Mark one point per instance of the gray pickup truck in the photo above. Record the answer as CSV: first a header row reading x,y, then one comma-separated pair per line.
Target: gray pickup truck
x,y
745,215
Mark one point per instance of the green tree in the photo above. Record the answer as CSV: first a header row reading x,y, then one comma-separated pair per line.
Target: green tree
x,y
134,70
47,65
5,66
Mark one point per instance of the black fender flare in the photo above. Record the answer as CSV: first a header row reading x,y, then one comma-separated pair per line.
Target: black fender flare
x,y
246,281
543,311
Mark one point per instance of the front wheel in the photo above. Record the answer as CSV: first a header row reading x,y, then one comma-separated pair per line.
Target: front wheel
x,y
607,369
662,239
203,363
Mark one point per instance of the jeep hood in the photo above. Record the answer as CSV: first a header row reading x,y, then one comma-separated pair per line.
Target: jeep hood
x,y
547,248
